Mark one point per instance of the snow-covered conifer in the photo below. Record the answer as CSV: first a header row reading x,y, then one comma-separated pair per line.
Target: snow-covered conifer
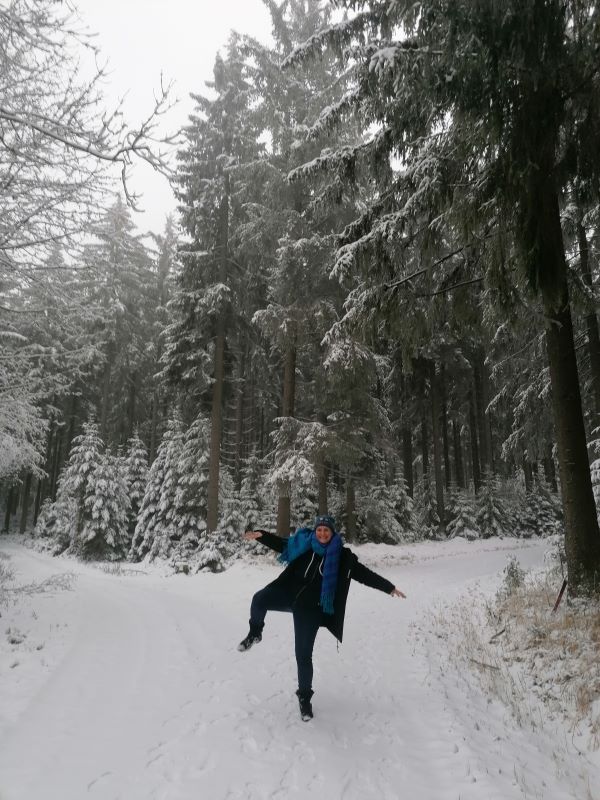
x,y
191,494
461,513
67,516
428,521
250,491
136,475
232,520
492,519
155,531
376,506
106,507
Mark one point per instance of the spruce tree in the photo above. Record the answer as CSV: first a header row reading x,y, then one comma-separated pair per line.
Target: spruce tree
x,y
74,483
461,516
136,476
492,519
106,507
156,530
191,494
221,136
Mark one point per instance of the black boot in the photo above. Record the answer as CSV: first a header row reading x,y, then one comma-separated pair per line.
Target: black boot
x,y
253,637
304,698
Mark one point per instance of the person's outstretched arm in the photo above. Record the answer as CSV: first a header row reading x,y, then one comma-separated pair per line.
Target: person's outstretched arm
x,y
266,538
365,575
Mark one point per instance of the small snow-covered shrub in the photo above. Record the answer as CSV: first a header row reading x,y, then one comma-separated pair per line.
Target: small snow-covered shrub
x,y
6,576
461,515
383,515
513,577
492,518
428,520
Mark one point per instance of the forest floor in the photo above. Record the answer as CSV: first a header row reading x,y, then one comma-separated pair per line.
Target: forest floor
x,y
125,682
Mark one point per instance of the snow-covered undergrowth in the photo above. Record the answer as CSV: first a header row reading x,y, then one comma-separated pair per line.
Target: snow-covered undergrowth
x,y
543,667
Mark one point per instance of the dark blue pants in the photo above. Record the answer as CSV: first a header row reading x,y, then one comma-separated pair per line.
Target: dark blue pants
x,y
306,627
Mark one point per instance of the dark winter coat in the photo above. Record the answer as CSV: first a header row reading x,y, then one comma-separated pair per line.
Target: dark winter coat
x,y
302,579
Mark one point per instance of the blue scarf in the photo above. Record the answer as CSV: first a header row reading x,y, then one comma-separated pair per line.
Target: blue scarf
x,y
304,540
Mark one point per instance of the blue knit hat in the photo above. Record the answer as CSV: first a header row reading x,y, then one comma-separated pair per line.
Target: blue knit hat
x,y
327,520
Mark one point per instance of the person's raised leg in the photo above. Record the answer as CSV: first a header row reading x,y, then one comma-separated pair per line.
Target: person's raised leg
x,y
272,598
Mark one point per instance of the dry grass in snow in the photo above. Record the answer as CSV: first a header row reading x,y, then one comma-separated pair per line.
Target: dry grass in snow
x,y
543,666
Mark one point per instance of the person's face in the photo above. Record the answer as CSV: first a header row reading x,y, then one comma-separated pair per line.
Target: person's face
x,y
323,534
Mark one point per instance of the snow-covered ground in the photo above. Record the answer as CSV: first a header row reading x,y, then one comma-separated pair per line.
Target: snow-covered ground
x,y
130,686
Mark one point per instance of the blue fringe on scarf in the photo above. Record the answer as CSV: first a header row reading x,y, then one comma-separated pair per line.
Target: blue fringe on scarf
x,y
305,539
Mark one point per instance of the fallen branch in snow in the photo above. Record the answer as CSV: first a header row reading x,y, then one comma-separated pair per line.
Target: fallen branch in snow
x,y
496,635
64,582
482,664
560,594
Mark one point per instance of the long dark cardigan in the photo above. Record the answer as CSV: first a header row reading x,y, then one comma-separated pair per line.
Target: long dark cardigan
x,y
350,568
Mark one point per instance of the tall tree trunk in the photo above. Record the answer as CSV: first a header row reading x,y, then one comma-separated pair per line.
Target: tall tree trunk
x,y
287,410
407,461
8,511
216,424
447,470
43,483
406,435
591,324
37,501
582,537
216,413
110,350
56,462
72,423
474,443
131,402
25,503
437,449
239,421
350,510
322,474
458,456
549,469
481,380
322,486
424,430
153,427
528,475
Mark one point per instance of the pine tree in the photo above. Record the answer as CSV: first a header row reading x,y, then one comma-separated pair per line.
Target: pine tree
x,y
191,494
293,225
121,289
250,491
377,512
462,519
428,521
222,135
492,519
106,507
136,476
73,487
232,522
156,530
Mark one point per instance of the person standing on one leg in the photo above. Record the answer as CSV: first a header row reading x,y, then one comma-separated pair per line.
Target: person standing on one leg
x,y
314,588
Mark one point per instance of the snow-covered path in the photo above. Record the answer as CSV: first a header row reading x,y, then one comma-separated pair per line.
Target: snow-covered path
x,y
140,693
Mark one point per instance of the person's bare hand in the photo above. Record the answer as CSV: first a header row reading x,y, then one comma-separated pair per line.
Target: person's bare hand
x,y
397,593
251,535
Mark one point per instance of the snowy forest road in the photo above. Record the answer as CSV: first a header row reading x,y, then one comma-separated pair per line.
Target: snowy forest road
x,y
130,686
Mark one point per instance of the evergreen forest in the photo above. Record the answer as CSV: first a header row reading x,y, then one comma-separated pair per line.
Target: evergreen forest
x,y
378,297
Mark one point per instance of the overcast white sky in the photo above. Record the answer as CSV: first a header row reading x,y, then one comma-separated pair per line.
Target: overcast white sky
x,y
141,38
